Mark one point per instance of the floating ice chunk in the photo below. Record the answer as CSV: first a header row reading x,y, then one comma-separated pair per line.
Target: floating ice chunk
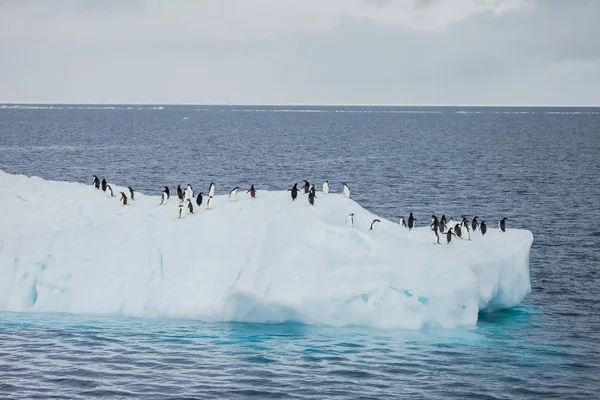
x,y
66,247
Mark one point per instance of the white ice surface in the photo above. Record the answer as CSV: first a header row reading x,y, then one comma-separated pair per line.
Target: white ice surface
x,y
67,247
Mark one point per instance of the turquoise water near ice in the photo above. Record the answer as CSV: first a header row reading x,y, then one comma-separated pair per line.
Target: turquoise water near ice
x,y
538,166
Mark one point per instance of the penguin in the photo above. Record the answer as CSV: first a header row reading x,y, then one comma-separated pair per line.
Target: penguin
x,y
451,223
437,236
502,224
326,187
373,224
346,191
96,182
464,220
233,194
435,224
209,203
483,228
294,191
474,224
465,229
110,191
123,198
211,190
442,226
252,191
443,219
103,185
130,192
311,198
402,222
199,199
189,193
181,211
457,231
411,221
165,195
350,220
449,235
312,190
306,186
190,206
180,193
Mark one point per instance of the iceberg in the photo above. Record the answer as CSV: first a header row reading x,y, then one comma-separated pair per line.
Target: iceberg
x,y
69,247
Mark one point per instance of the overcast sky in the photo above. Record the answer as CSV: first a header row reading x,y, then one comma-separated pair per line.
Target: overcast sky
x,y
511,52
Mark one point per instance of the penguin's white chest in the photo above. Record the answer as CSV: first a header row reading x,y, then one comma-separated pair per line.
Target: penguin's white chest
x,y
346,192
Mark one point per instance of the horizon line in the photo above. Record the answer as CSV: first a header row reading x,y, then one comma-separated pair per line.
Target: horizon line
x,y
14,103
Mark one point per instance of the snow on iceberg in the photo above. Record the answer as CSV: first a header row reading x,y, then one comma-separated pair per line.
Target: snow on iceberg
x,y
68,247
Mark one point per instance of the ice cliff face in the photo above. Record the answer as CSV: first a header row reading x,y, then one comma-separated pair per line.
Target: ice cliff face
x,y
68,247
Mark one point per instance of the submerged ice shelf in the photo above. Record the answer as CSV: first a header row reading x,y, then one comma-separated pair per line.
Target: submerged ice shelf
x,y
68,247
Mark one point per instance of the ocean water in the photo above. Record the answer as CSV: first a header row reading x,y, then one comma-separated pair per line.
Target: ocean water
x,y
538,166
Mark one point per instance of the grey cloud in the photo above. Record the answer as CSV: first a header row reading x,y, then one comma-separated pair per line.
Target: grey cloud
x,y
215,54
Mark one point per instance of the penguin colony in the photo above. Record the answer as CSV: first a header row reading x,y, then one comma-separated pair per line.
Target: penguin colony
x,y
442,226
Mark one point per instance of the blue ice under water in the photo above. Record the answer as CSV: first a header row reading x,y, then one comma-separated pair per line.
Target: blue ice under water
x,y
85,357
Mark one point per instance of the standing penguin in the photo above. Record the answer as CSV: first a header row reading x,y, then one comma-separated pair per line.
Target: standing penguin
x,y
402,222
434,223
252,191
199,199
209,203
411,221
457,231
312,190
103,185
211,190
443,219
181,211
109,189
502,224
442,226
165,195
123,199
96,182
180,193
350,220
346,190
465,229
306,186
311,197
474,224
190,206
294,191
130,192
233,194
373,224
189,193
483,228
449,235
326,187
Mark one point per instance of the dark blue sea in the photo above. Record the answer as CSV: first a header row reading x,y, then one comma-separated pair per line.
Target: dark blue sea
x,y
538,166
